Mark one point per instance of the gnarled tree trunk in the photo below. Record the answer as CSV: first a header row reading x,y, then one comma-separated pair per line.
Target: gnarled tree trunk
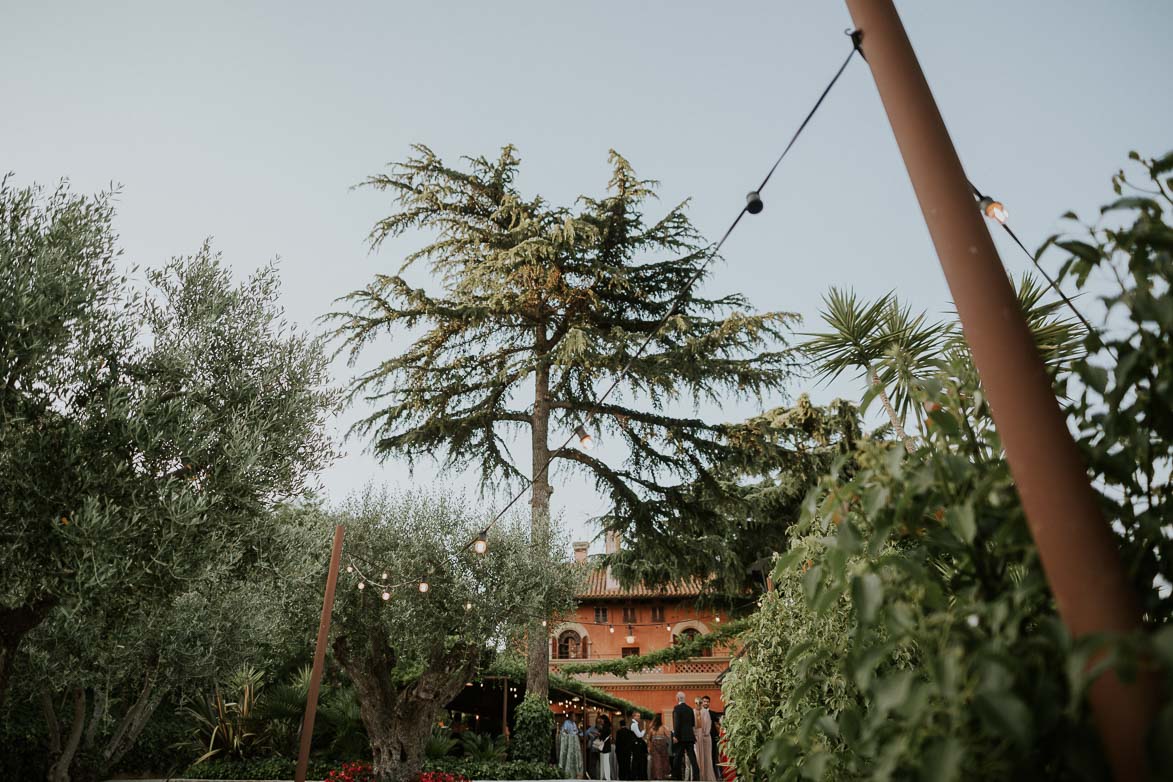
x,y
399,720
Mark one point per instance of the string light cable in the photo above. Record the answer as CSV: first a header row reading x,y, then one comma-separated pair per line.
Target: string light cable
x,y
995,210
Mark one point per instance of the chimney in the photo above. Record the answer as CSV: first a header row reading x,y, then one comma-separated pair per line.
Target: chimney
x,y
580,550
611,542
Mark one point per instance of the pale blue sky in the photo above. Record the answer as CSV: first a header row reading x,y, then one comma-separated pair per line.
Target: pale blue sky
x,y
249,122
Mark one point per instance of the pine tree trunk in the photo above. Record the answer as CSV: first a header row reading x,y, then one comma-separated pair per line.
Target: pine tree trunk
x,y
537,669
887,403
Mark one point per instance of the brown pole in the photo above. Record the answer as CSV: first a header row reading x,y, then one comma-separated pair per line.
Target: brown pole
x,y
1078,552
311,701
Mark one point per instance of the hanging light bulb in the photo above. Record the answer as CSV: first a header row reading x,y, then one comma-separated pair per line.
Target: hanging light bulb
x,y
610,628
424,586
384,576
350,568
718,619
362,584
668,628
481,545
468,606
386,595
993,209
585,441
544,623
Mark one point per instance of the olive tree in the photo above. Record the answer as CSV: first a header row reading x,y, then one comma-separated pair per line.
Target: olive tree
x,y
409,652
144,434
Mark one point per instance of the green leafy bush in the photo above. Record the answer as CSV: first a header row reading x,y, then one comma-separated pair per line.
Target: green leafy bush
x,y
533,731
256,768
912,633
511,769
483,747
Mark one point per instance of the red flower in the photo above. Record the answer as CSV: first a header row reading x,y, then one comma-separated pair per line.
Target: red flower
x,y
352,772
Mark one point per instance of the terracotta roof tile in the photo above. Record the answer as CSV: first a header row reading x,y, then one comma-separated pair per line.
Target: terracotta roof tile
x,y
597,587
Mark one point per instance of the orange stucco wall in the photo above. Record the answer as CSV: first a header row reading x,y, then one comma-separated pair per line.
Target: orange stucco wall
x,y
656,693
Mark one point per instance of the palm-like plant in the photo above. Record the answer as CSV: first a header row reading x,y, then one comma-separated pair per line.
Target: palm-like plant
x,y
227,728
882,341
897,351
482,746
440,744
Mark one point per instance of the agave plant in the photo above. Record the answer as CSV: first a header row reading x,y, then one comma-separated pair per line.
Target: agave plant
x,y
228,728
440,744
482,746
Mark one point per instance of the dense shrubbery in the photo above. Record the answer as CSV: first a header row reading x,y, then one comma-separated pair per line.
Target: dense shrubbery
x,y
911,632
504,769
256,768
533,731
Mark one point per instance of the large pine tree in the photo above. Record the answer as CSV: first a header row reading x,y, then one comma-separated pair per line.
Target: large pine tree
x,y
539,309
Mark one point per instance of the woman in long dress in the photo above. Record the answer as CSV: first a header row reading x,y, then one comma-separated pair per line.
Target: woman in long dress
x,y
569,751
660,741
704,745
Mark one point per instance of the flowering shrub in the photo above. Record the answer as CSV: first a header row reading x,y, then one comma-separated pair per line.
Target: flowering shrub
x,y
441,776
355,772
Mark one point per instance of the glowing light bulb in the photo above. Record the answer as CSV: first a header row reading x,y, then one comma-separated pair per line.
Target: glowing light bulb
x,y
350,568
611,628
386,595
384,576
994,210
481,545
544,623
362,584
718,619
468,606
424,586
585,441
668,628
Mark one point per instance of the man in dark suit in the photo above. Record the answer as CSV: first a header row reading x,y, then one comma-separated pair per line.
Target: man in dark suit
x,y
683,739
624,744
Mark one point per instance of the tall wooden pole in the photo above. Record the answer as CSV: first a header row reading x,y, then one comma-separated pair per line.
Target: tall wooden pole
x,y
311,702
1075,545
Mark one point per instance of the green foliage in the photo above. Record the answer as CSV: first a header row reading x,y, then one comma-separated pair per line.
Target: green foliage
x,y
256,768
510,769
440,744
228,728
145,437
483,747
1122,401
533,731
912,633
728,523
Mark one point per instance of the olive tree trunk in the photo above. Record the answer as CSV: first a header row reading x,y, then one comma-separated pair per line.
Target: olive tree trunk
x,y
399,719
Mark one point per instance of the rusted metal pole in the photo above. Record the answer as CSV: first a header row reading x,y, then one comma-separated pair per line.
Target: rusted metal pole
x,y
311,701
1078,553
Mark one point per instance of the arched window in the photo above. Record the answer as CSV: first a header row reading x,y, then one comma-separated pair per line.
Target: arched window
x,y
688,634
568,645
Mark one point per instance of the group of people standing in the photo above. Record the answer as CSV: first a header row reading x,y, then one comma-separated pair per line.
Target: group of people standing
x,y
637,751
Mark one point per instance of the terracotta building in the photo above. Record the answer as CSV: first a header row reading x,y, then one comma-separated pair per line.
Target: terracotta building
x,y
612,622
